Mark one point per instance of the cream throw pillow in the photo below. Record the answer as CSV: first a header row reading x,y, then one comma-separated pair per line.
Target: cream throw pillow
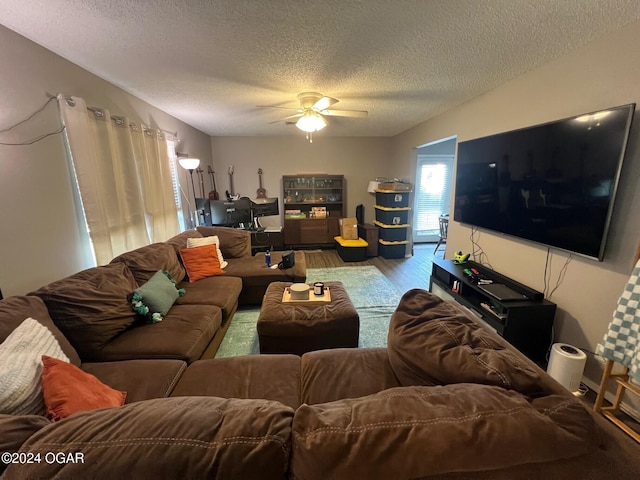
x,y
21,367
212,240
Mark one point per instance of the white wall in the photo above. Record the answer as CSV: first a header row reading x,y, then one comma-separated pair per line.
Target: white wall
x,y
602,74
40,236
359,159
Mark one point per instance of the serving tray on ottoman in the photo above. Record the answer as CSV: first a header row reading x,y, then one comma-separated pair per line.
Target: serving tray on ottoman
x,y
299,327
324,298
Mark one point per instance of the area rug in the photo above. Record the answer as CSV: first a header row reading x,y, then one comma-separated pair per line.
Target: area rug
x,y
372,294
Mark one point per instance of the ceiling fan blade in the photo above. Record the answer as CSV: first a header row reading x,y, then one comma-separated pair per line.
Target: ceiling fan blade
x,y
345,113
297,115
280,108
324,103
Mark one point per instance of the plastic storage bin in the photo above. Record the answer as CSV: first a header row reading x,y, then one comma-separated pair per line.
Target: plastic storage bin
x,y
352,250
392,249
392,216
387,198
392,233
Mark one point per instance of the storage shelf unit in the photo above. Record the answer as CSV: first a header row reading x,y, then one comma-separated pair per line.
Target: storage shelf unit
x,y
392,217
313,207
527,324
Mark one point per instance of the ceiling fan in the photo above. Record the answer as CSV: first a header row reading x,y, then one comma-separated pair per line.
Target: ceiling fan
x,y
313,108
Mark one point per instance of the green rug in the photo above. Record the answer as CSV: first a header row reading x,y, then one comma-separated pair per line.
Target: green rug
x,y
372,294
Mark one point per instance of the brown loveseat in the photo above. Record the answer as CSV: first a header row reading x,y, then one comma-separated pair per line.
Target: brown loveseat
x,y
445,399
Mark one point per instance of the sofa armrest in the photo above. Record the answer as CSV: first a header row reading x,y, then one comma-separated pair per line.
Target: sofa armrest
x,y
234,243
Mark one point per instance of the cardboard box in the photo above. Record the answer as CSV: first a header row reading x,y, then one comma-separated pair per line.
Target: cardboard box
x,y
349,228
395,186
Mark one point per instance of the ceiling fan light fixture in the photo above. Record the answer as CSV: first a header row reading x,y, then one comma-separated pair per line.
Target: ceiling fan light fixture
x,y
311,122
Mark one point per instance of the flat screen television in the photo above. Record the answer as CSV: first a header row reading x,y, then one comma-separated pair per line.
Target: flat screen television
x,y
552,184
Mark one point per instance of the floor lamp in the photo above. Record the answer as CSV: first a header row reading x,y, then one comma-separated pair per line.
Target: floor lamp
x,y
190,164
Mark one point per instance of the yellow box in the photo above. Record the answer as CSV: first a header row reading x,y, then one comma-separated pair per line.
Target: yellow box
x,y
349,228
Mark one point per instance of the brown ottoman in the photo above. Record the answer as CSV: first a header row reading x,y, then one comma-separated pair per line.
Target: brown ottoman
x,y
302,327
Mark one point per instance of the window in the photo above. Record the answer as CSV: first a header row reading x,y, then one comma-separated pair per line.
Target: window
x,y
433,194
173,164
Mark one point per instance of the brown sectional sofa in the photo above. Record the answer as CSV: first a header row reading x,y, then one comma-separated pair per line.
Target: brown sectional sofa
x,y
445,399
89,308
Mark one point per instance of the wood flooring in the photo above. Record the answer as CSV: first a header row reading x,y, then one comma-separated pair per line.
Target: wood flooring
x,y
404,273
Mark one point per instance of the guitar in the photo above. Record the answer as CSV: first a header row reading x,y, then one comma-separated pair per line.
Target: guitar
x,y
261,192
230,194
213,194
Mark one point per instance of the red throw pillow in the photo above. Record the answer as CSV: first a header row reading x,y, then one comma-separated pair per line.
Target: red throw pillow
x,y
201,262
67,389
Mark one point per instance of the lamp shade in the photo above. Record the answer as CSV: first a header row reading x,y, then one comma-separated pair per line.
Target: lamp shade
x,y
311,121
189,163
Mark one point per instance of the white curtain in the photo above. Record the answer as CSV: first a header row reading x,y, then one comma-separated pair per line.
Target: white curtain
x,y
123,176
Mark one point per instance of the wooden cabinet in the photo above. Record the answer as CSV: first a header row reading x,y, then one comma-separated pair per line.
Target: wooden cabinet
x,y
313,206
311,231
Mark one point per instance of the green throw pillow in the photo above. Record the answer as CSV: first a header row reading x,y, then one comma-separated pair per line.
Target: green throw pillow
x,y
154,299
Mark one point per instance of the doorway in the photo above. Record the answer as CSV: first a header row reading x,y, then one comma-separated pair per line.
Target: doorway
x,y
434,178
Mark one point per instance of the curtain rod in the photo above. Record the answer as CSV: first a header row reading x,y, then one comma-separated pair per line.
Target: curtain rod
x,y
99,112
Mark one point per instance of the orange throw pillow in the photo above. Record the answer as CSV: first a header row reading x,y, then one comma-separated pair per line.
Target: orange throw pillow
x,y
201,262
67,389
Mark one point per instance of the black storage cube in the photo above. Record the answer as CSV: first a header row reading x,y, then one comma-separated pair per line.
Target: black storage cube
x,y
392,199
392,216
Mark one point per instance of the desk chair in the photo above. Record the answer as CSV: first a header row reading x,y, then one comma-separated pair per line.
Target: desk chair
x,y
443,220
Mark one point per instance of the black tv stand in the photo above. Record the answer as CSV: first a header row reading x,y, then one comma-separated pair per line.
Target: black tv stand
x,y
526,323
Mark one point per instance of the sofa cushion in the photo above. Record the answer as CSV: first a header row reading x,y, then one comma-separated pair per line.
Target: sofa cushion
x,y
221,291
16,429
256,277
169,438
201,262
21,367
213,240
153,299
428,431
68,390
180,241
234,243
432,342
145,261
14,310
363,371
272,377
141,379
90,307
183,335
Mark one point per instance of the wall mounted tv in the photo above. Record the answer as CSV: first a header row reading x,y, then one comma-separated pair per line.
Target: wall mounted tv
x,y
553,184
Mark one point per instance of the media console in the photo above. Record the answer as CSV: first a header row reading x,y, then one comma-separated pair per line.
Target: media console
x,y
519,314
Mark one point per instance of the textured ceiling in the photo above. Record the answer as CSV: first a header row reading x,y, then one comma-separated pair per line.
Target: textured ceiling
x,y
210,63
